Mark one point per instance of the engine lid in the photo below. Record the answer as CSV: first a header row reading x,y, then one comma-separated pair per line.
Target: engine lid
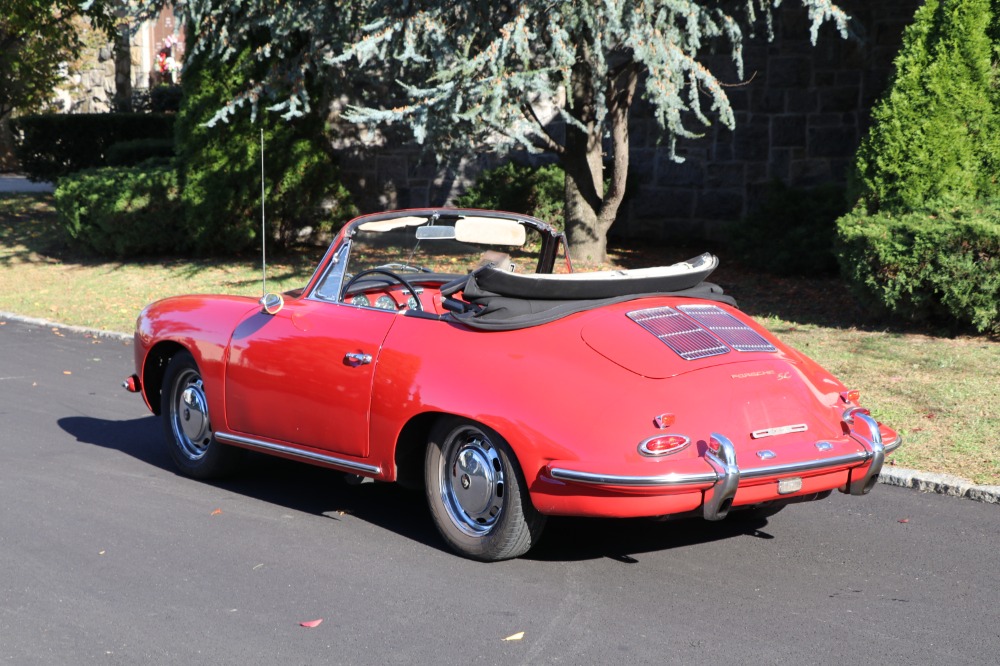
x,y
663,341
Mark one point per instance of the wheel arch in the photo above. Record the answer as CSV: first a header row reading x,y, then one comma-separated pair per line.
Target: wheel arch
x,y
154,367
411,446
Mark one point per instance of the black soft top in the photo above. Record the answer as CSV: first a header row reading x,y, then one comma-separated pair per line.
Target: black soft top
x,y
498,300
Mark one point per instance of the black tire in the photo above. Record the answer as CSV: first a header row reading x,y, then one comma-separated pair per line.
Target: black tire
x,y
477,492
187,426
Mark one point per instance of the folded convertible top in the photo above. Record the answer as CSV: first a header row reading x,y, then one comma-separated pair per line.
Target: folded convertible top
x,y
500,300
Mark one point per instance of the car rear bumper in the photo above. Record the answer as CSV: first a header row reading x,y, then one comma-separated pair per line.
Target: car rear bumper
x,y
721,482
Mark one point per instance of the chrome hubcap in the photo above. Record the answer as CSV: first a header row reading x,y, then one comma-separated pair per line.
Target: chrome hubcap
x,y
472,482
189,416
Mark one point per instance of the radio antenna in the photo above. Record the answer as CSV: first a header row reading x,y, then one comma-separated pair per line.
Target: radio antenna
x,y
270,303
263,224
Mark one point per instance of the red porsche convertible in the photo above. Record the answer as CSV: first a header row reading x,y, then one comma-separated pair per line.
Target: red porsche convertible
x,y
442,349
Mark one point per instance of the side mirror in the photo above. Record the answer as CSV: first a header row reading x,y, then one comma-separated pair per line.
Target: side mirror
x,y
271,303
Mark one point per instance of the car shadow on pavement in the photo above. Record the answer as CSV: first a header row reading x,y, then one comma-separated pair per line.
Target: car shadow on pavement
x,y
140,438
293,485
325,492
574,539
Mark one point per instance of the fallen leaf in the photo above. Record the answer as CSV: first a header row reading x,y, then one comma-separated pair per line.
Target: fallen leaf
x,y
904,520
515,637
217,512
311,623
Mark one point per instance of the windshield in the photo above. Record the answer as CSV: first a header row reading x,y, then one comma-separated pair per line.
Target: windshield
x,y
441,245
451,246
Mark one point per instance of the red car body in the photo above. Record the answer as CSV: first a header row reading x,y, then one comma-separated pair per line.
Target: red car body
x,y
650,404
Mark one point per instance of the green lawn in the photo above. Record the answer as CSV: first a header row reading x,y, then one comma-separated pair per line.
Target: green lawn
x,y
942,393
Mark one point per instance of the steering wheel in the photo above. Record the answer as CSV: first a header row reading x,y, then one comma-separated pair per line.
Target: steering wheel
x,y
388,274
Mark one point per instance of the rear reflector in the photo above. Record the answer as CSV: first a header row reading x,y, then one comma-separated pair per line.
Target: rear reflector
x,y
851,396
664,421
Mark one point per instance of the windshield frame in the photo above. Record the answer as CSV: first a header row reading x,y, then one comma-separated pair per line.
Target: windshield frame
x,y
337,259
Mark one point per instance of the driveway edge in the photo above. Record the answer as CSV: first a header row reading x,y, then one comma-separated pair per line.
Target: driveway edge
x,y
95,332
942,484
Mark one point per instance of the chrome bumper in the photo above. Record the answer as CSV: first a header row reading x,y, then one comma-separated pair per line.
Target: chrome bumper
x,y
726,474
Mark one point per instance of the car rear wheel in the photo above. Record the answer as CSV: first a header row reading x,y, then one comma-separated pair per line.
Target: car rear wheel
x,y
187,425
477,492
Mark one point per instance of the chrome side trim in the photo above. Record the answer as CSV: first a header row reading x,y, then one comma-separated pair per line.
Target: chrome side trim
x,y
308,456
663,480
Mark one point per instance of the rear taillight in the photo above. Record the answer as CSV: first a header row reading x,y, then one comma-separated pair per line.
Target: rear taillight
x,y
662,445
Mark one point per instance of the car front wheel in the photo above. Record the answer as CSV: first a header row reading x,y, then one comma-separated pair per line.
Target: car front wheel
x,y
477,492
186,423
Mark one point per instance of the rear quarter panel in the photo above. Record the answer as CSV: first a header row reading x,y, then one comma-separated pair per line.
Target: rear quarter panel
x,y
552,396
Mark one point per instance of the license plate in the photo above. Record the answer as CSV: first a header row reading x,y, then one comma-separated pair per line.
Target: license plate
x,y
787,486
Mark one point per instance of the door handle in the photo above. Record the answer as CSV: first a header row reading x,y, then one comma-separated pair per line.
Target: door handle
x,y
357,358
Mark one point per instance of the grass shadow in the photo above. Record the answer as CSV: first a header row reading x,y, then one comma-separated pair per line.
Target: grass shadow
x,y
821,300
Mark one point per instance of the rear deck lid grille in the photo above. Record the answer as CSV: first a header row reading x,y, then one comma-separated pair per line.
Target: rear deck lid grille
x,y
728,328
700,331
688,340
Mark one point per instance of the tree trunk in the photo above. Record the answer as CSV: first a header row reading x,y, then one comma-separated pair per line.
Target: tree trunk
x,y
584,167
590,210
123,70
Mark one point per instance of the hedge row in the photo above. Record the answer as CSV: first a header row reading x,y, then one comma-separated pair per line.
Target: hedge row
x,y
123,212
535,191
52,145
939,266
792,231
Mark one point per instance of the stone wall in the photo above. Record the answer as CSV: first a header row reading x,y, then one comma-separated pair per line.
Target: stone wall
x,y
800,116
801,112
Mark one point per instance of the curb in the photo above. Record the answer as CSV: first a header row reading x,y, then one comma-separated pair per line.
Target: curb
x,y
111,335
926,482
942,484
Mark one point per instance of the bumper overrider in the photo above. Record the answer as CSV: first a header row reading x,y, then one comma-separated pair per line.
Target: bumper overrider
x,y
721,481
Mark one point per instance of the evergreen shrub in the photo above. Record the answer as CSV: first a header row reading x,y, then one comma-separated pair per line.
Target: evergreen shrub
x,y
50,146
535,191
941,266
935,134
792,231
122,212
924,239
221,168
